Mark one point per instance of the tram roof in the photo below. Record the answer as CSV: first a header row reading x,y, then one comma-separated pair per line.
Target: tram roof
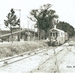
x,y
56,30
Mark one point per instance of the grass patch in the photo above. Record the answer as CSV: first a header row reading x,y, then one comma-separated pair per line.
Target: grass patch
x,y
15,48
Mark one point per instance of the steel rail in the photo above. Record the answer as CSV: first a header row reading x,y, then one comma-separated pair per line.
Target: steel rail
x,y
21,58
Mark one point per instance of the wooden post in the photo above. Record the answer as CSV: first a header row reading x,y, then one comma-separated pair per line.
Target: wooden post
x,y
8,38
11,34
18,37
2,39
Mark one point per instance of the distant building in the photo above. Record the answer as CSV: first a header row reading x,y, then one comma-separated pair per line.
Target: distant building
x,y
18,34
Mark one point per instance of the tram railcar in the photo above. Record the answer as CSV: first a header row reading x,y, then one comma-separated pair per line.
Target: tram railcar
x,y
57,36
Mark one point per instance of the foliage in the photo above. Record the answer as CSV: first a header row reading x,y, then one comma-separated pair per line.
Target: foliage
x,y
11,19
7,50
66,27
43,17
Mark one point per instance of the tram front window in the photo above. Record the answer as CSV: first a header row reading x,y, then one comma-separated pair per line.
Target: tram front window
x,y
54,35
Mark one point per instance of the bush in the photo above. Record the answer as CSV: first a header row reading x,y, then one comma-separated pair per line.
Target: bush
x,y
10,49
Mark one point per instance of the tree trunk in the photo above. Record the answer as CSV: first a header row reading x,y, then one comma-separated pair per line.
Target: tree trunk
x,y
11,34
38,34
2,39
8,38
19,36
45,35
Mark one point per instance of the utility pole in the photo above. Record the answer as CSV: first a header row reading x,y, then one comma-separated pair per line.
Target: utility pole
x,y
1,34
33,30
28,26
38,33
19,15
28,31
34,33
20,22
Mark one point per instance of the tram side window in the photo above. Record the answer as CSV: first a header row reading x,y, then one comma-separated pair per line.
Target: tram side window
x,y
56,34
50,34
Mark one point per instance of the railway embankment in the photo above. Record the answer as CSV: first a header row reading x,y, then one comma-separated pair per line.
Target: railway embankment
x,y
8,49
49,60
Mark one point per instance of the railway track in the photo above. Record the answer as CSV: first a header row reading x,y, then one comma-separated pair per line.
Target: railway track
x,y
16,58
57,62
54,55
48,58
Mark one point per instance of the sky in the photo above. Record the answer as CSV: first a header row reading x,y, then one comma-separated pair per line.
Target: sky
x,y
65,9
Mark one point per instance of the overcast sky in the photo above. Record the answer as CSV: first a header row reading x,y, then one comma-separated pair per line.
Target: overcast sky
x,y
65,9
